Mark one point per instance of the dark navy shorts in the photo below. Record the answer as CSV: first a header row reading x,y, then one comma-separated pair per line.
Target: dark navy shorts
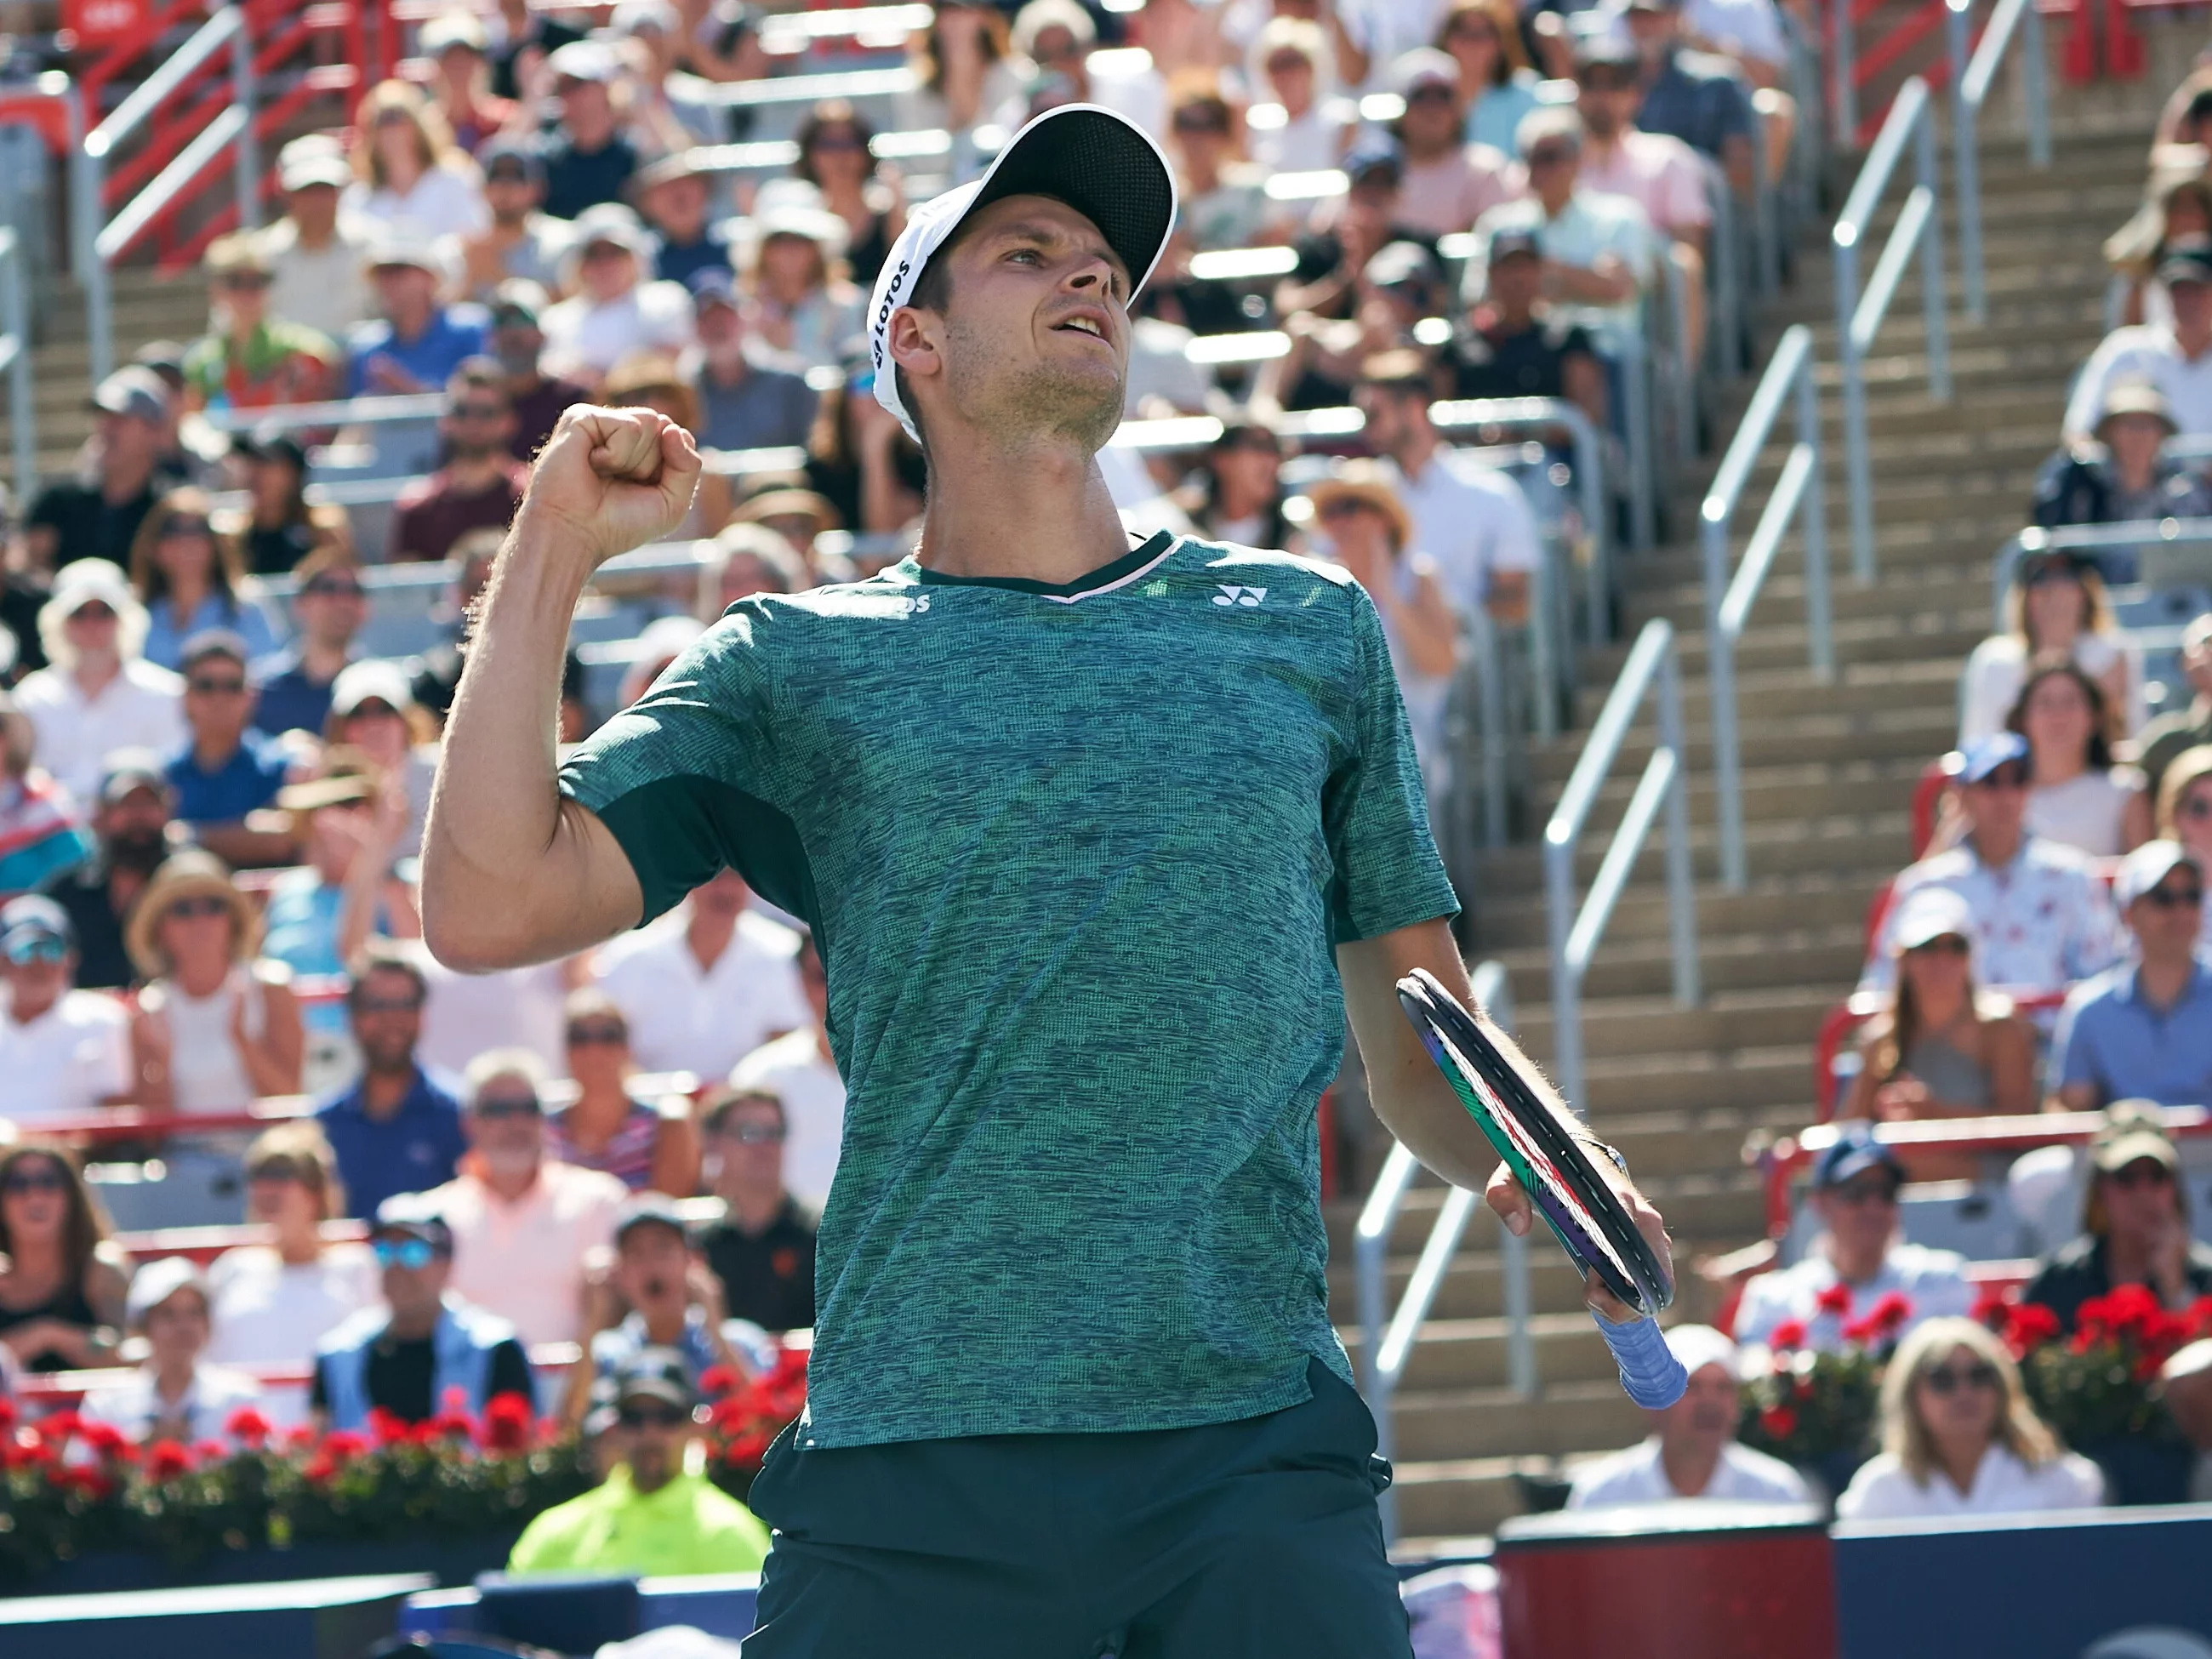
x,y
1252,1540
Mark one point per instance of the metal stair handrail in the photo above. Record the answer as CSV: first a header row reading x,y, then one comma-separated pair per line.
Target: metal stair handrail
x,y
16,358
1973,73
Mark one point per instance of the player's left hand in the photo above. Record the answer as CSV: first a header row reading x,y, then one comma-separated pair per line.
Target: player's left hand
x,y
1509,1201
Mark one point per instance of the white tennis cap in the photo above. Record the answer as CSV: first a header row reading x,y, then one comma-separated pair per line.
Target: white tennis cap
x,y
1099,163
1699,1346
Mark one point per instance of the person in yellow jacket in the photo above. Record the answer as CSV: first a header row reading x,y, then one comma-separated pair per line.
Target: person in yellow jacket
x,y
651,1515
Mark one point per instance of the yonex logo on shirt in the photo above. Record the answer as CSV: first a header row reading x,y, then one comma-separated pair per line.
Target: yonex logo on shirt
x,y
1247,597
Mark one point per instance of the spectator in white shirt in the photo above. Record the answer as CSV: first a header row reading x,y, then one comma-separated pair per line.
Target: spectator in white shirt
x,y
1691,1453
1308,127
1854,1189
1960,1438
409,172
62,1051
2176,357
98,693
1597,248
2057,607
319,262
523,1226
174,1395
706,984
799,1069
612,310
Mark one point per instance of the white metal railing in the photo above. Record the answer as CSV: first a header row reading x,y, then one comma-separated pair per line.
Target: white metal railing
x,y
1387,1336
1971,75
1652,668
2138,533
1918,230
16,358
1797,496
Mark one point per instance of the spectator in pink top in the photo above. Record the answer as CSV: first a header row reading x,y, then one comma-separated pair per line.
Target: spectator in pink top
x,y
1447,183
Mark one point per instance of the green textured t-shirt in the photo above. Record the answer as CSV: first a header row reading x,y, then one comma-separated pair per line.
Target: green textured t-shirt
x,y
1077,858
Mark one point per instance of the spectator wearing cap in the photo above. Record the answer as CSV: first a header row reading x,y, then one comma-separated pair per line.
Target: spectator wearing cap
x,y
318,262
1514,343
1598,249
426,1341
417,343
1655,170
658,1294
522,241
1290,58
408,172
800,1070
253,359
2056,608
1238,495
2168,738
614,309
2175,357
761,1248
837,156
588,162
1449,182
373,709
517,343
64,1051
1694,96
2121,475
1056,40
1939,1048
456,42
274,1301
675,199
398,1129
97,693
523,1224
130,811
652,1513
40,832
1855,1183
281,527
176,1395
96,515
328,609
2042,919
2135,1223
1692,1452
750,397
1345,231
192,579
792,267
226,771
480,485
644,1143
2142,1030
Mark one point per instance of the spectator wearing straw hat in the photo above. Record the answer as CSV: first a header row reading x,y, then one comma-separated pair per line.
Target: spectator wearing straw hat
x,y
480,486
97,694
131,811
318,262
588,162
613,309
175,1395
750,397
63,1051
1692,1452
417,341
675,199
253,359
522,241
95,515
2121,475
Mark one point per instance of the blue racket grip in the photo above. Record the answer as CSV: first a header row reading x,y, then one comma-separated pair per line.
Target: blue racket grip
x,y
1650,1373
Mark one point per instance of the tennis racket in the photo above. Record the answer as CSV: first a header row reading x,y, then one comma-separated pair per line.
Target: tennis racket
x,y
1566,1188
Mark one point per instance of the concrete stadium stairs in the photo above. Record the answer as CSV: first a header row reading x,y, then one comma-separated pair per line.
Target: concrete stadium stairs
x,y
148,306
1828,773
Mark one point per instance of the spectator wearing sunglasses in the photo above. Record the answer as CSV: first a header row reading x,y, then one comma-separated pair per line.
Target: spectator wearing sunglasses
x,y
480,485
2142,1030
1854,1188
131,826
228,771
2185,815
96,513
761,1250
98,695
191,579
398,1129
63,1052
282,528
1448,183
250,358
294,683
652,1513
1958,1438
62,1281
2135,1223
406,1356
608,1127
523,1224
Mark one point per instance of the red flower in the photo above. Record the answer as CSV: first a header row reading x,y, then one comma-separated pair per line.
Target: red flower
x,y
103,1440
1889,1313
1780,1422
57,1429
318,1470
1991,1307
166,1460
248,1427
448,1425
343,1445
2128,1309
719,1380
1789,1333
746,1450
299,1436
2028,1326
1860,1332
8,1416
507,1421
1836,1299
389,1428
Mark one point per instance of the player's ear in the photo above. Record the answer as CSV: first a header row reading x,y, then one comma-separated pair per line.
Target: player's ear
x,y
915,340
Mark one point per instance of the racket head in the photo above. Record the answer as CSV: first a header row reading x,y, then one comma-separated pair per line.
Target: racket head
x,y
1553,1168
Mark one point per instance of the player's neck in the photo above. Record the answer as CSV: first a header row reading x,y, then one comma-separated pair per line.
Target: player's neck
x,y
1034,511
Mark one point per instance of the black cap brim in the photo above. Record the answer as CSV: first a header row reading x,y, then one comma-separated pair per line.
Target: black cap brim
x,y
1103,166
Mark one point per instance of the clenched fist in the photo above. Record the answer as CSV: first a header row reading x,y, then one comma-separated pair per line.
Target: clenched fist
x,y
611,479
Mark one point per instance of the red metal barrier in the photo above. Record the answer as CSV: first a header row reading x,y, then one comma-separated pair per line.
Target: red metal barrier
x,y
1927,794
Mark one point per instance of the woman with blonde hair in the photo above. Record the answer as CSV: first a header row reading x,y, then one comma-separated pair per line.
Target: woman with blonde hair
x,y
408,170
191,580
2185,814
1959,1436
2057,606
1308,125
1484,39
272,1302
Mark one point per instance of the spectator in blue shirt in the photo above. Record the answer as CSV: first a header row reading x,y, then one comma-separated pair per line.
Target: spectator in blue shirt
x,y
1692,95
396,1130
226,770
2143,1030
676,199
417,343
329,609
588,161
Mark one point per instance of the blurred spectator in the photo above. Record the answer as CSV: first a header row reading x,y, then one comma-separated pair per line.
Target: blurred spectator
x,y
373,709
396,1130
408,172
193,581
1483,38
472,558
1345,233
748,560
165,360
2135,1223
281,527
792,268
653,1513
96,515
613,309
1448,183
407,1356
217,1026
705,985
417,343
1240,492
516,342
861,470
293,684
962,72
1291,58
1222,199
1692,1452
1469,517
588,162
480,485
64,1051
761,1249
1692,95
1056,38
2164,740
252,359
226,771
1939,1048
2185,1383
607,1127
2177,208
61,1283
177,1394
40,833
2042,919
1858,1252
465,1014
2056,607
98,694
2176,357
750,398
1657,171
835,157
658,1295
675,197
522,1224
2142,1030
1959,1436
1515,345
656,380
1597,249
456,43
2185,815
520,240
663,116
2076,797
2120,476
129,822
802,1072
319,260
525,35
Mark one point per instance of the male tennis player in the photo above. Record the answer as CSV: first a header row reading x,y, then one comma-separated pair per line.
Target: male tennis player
x,y
1087,833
